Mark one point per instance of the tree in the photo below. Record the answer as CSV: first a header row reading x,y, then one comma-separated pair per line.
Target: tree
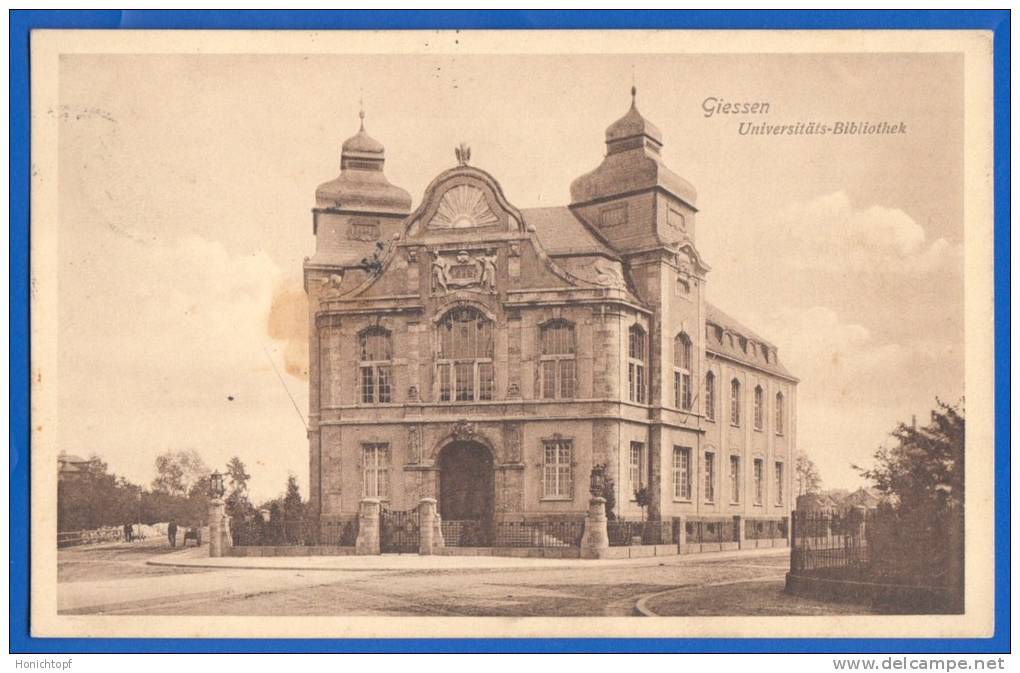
x,y
239,507
644,498
809,480
293,506
178,471
925,468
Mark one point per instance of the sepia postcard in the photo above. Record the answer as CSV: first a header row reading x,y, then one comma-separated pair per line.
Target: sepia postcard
x,y
512,334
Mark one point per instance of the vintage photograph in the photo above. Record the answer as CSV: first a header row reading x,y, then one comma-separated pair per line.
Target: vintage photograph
x,y
664,333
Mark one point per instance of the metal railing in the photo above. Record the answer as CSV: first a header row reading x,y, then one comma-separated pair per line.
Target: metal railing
x,y
710,531
623,533
80,537
765,529
466,533
551,533
298,532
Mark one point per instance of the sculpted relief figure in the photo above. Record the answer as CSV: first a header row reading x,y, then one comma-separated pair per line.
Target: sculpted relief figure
x,y
331,285
488,281
607,274
440,274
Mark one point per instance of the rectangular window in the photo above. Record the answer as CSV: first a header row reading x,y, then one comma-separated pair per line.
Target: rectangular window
x,y
637,383
682,472
445,387
464,381
759,481
734,479
549,379
557,472
779,482
384,377
566,379
637,456
376,470
709,476
485,380
367,385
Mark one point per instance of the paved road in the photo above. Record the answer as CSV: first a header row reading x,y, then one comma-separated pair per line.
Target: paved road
x,y
117,580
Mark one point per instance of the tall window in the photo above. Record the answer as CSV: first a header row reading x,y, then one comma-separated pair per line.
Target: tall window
x,y
780,414
779,482
637,464
759,408
734,479
465,356
710,396
682,472
375,368
709,476
636,366
735,402
375,460
682,393
557,473
759,481
557,360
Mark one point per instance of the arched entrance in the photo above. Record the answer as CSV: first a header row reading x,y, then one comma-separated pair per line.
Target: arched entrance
x,y
466,492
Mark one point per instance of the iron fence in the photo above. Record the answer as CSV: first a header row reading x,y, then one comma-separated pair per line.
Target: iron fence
x,y
466,533
824,540
765,529
623,533
708,531
275,533
80,537
339,532
552,533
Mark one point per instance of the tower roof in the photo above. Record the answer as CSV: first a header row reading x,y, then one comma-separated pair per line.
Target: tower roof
x,y
362,143
633,162
632,125
362,185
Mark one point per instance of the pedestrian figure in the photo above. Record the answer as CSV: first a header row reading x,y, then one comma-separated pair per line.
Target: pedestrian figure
x,y
127,532
171,532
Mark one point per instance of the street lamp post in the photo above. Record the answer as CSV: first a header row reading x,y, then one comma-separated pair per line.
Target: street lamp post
x,y
217,512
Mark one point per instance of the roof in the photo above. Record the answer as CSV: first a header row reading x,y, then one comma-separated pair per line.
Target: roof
x,y
562,233
746,346
71,458
632,124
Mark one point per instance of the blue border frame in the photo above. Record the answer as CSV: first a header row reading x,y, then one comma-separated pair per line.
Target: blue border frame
x,y
22,22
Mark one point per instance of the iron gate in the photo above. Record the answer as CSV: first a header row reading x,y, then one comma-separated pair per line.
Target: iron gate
x,y
398,531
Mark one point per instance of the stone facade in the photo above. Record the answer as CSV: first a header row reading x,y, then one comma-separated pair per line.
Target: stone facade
x,y
489,357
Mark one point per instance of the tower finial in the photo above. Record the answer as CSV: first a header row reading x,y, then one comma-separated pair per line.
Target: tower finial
x,y
633,87
361,109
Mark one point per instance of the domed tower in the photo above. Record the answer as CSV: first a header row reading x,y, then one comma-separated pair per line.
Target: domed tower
x,y
646,212
632,197
359,206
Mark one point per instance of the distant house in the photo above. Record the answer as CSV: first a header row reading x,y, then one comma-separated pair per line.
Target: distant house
x,y
863,497
70,466
815,502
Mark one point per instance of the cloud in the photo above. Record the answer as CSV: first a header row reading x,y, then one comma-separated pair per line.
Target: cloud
x,y
828,233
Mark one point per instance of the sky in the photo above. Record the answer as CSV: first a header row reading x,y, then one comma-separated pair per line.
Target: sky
x,y
186,184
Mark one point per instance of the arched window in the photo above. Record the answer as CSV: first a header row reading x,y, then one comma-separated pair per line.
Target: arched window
x,y
735,402
683,396
710,396
464,361
636,376
375,369
759,408
780,414
557,360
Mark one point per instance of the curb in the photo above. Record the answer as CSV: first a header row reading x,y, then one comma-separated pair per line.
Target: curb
x,y
564,564
641,606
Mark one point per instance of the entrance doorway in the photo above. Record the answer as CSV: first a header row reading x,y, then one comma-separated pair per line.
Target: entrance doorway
x,y
466,493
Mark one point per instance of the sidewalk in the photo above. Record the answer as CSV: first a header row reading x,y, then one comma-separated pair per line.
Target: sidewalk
x,y
199,558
